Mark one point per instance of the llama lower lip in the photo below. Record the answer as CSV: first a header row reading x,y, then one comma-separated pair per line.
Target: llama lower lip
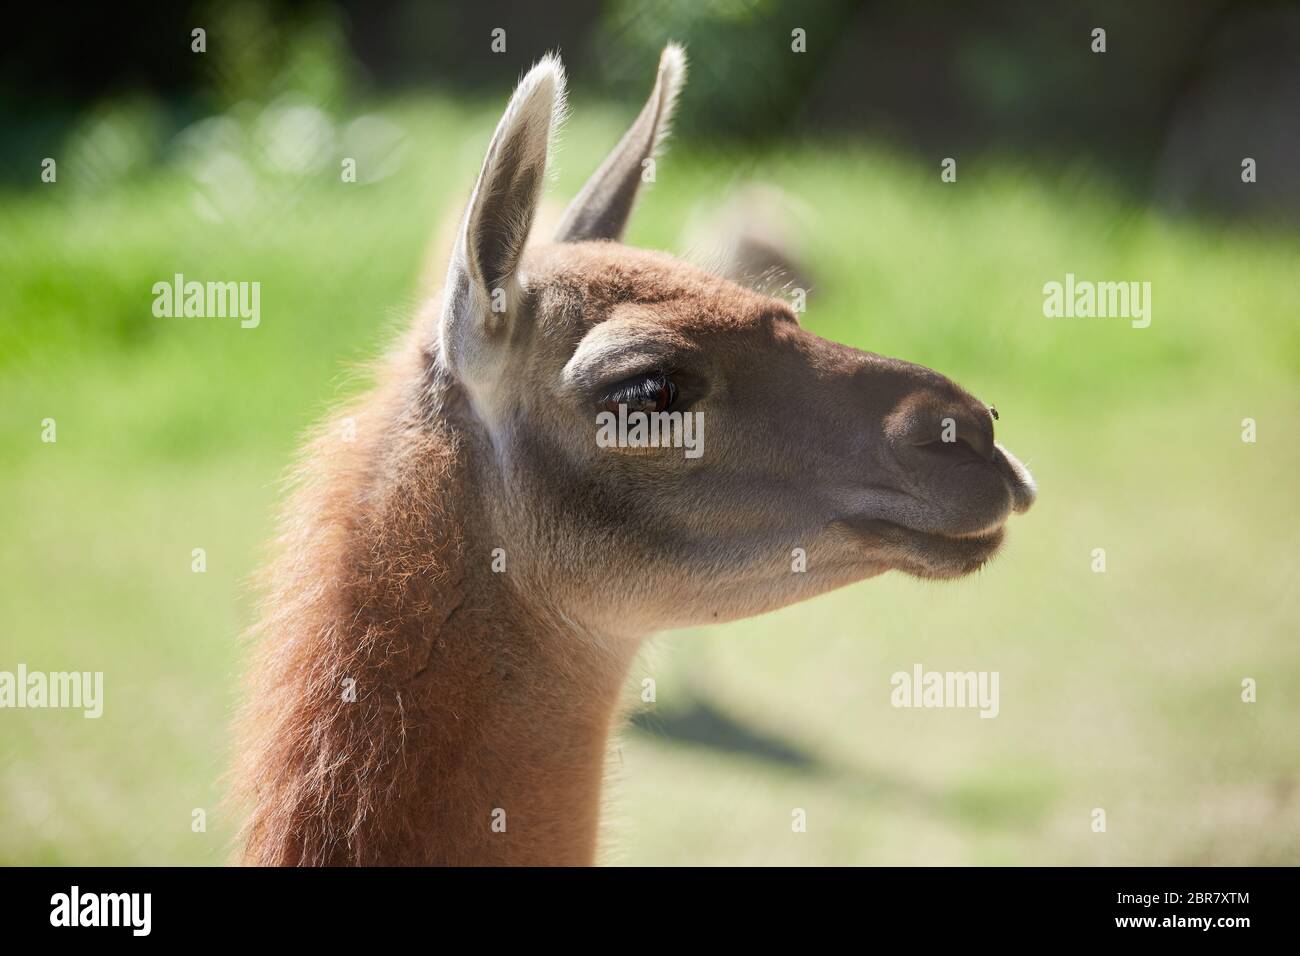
x,y
933,554
892,529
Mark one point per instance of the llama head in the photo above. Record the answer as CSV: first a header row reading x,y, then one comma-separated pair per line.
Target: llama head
x,y
655,446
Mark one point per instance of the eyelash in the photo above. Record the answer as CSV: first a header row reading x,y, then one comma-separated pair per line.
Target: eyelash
x,y
655,390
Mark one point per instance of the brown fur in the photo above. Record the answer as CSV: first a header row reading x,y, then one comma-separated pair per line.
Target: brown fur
x,y
453,675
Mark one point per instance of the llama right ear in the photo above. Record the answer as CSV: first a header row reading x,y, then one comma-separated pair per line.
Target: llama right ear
x,y
482,284
602,208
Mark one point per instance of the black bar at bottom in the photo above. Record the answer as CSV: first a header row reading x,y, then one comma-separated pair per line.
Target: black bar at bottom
x,y
370,906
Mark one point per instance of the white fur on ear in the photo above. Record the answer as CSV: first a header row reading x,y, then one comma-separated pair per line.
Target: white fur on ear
x,y
482,285
601,210
671,79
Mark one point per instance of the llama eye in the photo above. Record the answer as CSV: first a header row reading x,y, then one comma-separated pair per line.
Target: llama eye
x,y
645,393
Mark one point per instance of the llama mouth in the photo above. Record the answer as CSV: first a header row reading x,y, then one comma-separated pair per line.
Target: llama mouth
x,y
934,553
931,554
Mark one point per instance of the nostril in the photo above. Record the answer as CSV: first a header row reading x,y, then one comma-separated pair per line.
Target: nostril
x,y
977,445
960,445
949,424
961,436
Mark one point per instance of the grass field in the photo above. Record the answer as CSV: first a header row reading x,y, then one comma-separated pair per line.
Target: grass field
x,y
1119,690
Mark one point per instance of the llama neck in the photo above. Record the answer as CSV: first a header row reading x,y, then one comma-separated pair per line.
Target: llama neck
x,y
518,714
409,705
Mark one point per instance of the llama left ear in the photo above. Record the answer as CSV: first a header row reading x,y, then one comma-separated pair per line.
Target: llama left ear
x,y
602,208
482,284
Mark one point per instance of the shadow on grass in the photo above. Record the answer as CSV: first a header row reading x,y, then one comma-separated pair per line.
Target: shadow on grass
x,y
992,797
704,725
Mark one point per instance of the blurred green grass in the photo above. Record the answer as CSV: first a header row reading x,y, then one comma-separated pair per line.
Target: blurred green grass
x,y
1119,690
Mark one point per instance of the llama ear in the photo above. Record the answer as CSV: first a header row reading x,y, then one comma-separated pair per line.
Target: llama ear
x,y
481,281
602,209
